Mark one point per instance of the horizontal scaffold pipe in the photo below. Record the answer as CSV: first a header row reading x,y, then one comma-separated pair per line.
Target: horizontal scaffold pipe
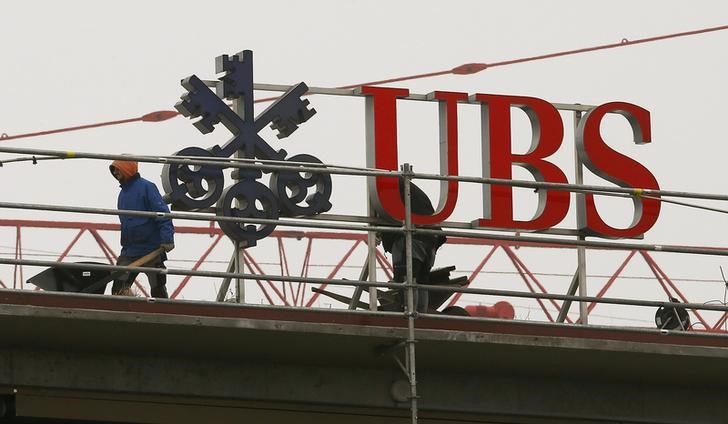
x,y
270,165
194,273
292,222
357,283
287,234
356,92
194,216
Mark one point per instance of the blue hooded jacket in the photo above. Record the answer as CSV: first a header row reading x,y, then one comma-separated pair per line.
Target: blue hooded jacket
x,y
139,234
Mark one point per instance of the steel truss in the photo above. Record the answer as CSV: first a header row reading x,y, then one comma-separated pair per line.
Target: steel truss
x,y
298,294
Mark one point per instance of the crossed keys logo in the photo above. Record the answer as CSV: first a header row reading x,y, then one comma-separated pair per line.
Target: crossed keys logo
x,y
290,192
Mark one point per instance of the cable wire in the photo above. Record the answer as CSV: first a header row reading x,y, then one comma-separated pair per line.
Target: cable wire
x,y
158,116
465,69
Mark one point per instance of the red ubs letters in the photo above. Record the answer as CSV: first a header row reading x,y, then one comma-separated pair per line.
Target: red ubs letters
x,y
548,134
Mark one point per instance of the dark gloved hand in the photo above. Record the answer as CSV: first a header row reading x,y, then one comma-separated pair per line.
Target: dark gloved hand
x,y
167,246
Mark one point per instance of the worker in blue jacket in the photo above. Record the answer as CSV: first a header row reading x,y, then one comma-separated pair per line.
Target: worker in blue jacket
x,y
141,235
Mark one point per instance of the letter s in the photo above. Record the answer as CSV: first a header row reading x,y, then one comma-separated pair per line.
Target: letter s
x,y
617,168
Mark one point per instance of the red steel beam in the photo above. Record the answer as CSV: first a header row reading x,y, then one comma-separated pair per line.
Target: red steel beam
x,y
105,248
475,273
334,272
251,262
260,285
612,279
720,322
111,256
656,269
283,262
68,248
300,292
199,262
18,256
523,271
385,265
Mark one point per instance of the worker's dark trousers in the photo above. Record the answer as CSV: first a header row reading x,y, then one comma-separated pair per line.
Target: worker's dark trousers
x,y
157,282
422,261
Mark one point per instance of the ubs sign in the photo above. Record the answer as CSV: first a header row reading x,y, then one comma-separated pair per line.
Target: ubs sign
x,y
548,131
292,193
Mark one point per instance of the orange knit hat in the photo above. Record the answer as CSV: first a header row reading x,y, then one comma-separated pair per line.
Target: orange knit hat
x,y
127,167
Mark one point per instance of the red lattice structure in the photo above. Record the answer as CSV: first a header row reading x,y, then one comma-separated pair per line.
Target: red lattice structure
x,y
288,293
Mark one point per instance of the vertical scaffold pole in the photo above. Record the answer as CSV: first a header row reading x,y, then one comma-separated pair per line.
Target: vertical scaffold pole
x,y
225,286
371,261
239,107
410,284
239,269
580,225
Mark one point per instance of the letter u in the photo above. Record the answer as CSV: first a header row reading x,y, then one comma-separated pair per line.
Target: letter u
x,y
381,135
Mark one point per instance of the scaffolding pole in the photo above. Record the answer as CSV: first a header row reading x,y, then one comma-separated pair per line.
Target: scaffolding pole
x,y
410,283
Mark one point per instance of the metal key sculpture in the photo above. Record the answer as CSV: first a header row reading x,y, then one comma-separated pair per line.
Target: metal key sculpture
x,y
194,186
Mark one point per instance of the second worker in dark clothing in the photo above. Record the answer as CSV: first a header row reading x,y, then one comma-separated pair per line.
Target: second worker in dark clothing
x,y
424,247
141,235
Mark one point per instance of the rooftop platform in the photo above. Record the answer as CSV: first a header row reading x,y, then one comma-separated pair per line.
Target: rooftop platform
x,y
123,359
